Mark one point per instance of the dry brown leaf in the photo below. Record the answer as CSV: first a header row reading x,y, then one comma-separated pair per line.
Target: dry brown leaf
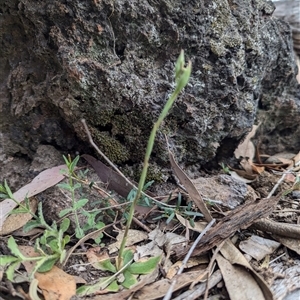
x,y
16,221
258,169
258,247
56,284
247,165
192,191
239,282
159,288
192,262
234,256
199,226
246,149
293,244
39,184
94,256
134,236
243,175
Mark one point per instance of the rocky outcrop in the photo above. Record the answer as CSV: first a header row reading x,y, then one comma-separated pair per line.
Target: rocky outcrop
x,y
111,62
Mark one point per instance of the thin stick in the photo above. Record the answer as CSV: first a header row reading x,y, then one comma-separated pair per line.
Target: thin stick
x,y
281,179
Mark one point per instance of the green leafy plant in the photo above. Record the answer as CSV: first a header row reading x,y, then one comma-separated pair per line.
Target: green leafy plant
x,y
77,205
126,276
50,246
185,211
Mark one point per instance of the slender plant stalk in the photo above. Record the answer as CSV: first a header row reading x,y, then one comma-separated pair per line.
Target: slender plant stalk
x,y
182,75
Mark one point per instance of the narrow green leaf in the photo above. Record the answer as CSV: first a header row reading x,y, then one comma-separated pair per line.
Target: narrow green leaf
x,y
74,163
193,213
66,161
144,267
192,222
65,211
171,217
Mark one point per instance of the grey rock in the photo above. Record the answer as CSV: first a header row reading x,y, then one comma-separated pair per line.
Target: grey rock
x,y
112,62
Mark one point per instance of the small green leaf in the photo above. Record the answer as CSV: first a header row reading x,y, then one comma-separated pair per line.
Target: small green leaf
x,y
73,164
179,65
7,259
171,217
193,213
192,223
53,244
130,280
148,184
13,247
131,195
66,161
91,289
80,203
127,256
106,265
64,226
65,186
113,287
31,225
144,267
66,240
47,265
65,211
8,190
79,233
11,270
19,210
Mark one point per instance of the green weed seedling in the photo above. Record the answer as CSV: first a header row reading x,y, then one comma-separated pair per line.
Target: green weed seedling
x,y
77,205
186,212
50,246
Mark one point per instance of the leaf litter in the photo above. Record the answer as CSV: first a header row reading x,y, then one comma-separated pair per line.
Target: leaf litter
x,y
240,277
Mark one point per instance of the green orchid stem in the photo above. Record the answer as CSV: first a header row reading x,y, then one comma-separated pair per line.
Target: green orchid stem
x,y
182,77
